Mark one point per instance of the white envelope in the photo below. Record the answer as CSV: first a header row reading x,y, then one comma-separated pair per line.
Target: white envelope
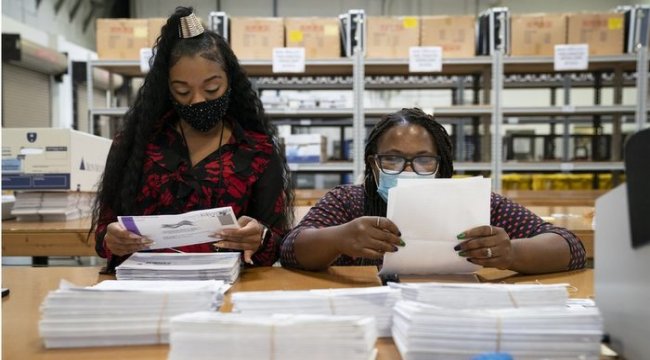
x,y
168,231
430,213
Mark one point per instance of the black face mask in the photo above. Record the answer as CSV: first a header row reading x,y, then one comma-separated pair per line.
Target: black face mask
x,y
205,115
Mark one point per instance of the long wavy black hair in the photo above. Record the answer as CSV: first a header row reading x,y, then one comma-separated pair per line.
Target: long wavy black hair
x,y
122,176
374,204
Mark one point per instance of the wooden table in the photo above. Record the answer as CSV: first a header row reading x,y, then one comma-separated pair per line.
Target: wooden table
x,y
29,286
60,238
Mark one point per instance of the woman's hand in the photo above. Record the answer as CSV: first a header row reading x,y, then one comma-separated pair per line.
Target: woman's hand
x,y
488,246
121,242
248,237
370,237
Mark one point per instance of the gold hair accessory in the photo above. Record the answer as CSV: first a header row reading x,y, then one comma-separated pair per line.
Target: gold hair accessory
x,y
190,26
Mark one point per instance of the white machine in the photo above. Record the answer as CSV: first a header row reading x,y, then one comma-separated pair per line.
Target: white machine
x,y
622,254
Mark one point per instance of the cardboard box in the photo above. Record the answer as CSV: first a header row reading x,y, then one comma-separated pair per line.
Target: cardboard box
x,y
52,159
537,34
253,38
454,34
305,148
602,31
121,38
153,29
319,36
391,37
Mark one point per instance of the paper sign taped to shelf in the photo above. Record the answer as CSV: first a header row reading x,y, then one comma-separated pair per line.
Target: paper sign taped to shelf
x,y
145,55
289,60
568,108
571,57
425,59
566,167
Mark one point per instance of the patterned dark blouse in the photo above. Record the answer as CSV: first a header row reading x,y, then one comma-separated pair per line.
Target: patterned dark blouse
x,y
244,173
345,203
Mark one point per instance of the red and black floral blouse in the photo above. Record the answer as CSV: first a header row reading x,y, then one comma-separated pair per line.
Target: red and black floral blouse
x,y
244,173
345,203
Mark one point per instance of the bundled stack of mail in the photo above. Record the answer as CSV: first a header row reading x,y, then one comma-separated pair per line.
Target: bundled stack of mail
x,y
180,266
458,330
492,296
115,313
373,301
52,205
209,335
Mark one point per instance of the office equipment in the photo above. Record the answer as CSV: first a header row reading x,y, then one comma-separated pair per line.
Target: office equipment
x,y
637,167
623,265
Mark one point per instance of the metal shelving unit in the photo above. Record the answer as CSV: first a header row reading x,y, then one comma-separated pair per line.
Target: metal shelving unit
x,y
487,114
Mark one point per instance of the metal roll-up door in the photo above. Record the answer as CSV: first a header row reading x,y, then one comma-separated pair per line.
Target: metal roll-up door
x,y
26,97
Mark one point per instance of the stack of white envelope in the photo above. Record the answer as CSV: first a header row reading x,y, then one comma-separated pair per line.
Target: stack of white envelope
x,y
489,296
423,331
373,301
208,335
180,266
122,312
52,205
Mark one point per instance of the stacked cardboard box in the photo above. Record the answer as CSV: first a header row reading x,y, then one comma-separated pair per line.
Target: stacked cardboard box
x,y
537,34
603,32
121,38
391,37
253,38
319,36
454,34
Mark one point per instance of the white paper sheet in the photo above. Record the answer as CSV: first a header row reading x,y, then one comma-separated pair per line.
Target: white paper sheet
x,y
430,213
168,231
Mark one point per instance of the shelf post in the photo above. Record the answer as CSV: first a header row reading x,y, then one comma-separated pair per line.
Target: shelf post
x,y
358,84
89,95
498,49
641,87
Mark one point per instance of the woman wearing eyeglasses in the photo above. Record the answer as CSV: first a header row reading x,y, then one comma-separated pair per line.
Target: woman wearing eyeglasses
x,y
348,225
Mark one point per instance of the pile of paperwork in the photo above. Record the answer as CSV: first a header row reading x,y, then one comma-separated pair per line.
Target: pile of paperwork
x,y
207,335
114,313
374,301
177,266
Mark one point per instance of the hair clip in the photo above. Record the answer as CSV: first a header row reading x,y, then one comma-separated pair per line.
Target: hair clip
x,y
190,26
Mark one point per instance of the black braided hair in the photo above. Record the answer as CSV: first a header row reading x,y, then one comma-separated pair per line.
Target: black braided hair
x,y
374,204
123,173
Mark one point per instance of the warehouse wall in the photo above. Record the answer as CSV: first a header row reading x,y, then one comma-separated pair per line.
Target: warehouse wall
x,y
45,19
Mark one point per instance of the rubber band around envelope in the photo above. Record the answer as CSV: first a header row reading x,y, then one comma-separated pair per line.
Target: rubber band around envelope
x,y
272,338
330,299
512,299
499,329
163,308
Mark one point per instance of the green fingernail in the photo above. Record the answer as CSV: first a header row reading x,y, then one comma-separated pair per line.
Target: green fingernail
x,y
462,253
401,242
460,236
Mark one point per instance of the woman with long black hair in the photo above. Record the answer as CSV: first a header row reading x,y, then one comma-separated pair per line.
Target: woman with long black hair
x,y
195,138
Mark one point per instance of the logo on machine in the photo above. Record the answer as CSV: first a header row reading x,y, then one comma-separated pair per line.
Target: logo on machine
x,y
31,137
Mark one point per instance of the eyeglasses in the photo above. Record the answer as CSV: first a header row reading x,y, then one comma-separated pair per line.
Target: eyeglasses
x,y
395,164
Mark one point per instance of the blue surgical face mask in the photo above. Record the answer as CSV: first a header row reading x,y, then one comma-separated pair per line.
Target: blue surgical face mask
x,y
388,181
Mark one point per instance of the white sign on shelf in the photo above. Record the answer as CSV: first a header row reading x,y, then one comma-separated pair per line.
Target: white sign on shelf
x,y
566,166
289,60
425,59
145,55
571,57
